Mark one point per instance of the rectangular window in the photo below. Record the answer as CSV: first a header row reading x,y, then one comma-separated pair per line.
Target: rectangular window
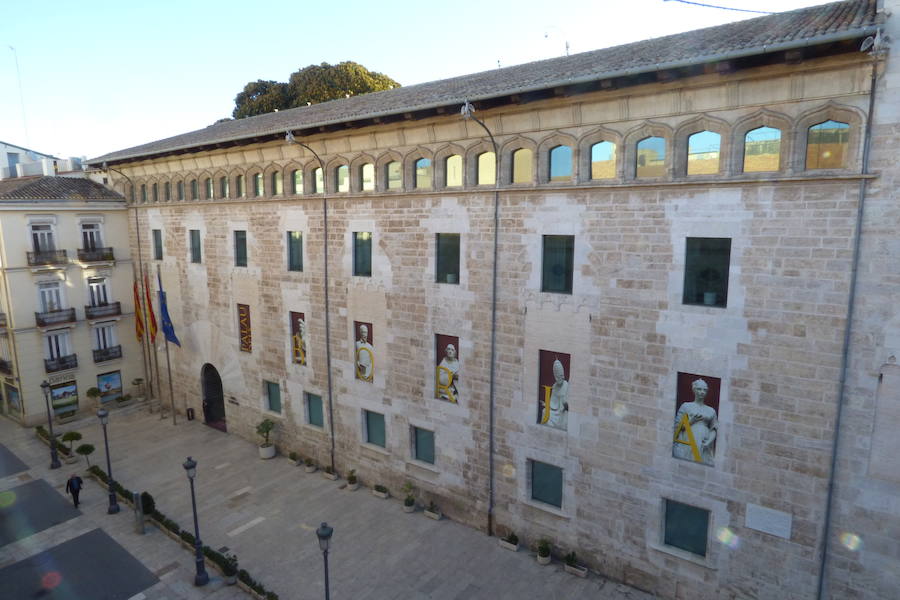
x,y
423,445
157,244
42,238
706,264
57,344
686,527
90,236
98,292
375,428
546,483
314,414
195,246
105,336
362,254
558,263
240,248
447,258
295,250
273,396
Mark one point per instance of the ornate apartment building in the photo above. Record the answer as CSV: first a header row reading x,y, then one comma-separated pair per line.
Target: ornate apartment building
x,y
640,301
66,310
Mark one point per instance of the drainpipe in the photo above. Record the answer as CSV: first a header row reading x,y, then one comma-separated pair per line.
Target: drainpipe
x,y
845,350
467,111
145,346
289,138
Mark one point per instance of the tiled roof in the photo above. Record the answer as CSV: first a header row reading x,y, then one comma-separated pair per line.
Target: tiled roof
x,y
54,188
794,29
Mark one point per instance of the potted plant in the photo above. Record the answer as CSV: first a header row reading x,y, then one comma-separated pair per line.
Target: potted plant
x,y
352,481
310,466
123,399
294,458
433,512
71,436
267,448
230,569
543,552
85,450
328,473
380,491
94,394
409,502
510,542
573,567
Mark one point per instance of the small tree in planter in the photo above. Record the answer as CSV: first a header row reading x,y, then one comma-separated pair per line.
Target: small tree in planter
x,y
230,569
380,491
71,436
510,542
123,399
328,473
573,567
352,481
310,465
85,450
266,449
433,512
94,394
409,502
294,458
543,552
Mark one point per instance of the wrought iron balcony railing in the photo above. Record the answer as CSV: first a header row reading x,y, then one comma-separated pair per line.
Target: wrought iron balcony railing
x,y
105,354
52,365
95,254
5,367
104,310
47,257
54,317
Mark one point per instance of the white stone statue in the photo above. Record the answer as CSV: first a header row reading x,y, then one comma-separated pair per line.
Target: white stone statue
x,y
448,375
365,355
559,398
701,421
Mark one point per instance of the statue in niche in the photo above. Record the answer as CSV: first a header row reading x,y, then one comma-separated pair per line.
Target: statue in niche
x,y
298,337
553,401
447,371
696,427
365,353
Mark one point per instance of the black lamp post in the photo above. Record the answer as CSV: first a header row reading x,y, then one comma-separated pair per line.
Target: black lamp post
x,y
201,578
103,415
54,458
324,533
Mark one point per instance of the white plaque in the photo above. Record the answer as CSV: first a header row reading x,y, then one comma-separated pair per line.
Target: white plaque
x,y
768,520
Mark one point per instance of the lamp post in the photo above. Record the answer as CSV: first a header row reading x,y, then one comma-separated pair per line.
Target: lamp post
x,y
54,457
324,533
201,578
103,415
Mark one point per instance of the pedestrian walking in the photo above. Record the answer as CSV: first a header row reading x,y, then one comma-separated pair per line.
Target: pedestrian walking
x,y
73,486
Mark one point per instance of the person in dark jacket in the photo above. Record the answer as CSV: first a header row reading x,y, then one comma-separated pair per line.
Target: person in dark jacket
x,y
73,486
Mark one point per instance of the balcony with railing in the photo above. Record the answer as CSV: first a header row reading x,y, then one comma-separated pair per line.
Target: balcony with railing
x,y
54,317
112,309
95,254
105,354
52,365
47,258
5,367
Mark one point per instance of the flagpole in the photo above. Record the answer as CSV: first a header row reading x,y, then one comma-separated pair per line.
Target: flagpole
x,y
155,349
168,361
145,353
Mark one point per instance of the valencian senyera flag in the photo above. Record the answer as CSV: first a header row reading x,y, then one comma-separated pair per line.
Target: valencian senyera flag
x,y
167,327
151,318
138,321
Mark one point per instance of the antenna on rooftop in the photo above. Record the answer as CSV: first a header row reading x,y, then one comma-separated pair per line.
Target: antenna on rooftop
x,y
21,97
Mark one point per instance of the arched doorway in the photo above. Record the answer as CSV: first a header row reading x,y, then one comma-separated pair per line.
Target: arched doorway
x,y
213,398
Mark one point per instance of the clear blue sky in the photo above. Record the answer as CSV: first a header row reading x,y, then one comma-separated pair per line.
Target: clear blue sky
x,y
106,75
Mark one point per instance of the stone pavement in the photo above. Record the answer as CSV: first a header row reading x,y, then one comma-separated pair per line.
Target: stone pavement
x,y
267,512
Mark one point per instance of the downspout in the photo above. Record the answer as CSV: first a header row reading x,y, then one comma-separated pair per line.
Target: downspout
x,y
467,112
289,138
145,345
845,349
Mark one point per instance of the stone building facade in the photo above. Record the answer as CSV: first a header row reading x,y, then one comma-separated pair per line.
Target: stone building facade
x,y
631,343
66,308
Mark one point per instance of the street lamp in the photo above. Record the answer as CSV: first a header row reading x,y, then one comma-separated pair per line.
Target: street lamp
x,y
54,458
324,533
103,415
201,578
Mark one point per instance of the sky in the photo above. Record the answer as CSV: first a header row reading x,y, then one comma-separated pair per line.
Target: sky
x,y
102,76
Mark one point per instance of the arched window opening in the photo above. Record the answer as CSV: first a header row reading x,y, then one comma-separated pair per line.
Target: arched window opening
x,y
827,145
561,163
223,187
651,157
239,184
603,160
703,153
393,175
342,178
195,193
487,168
297,181
318,180
257,184
762,150
453,171
423,174
367,177
277,183
523,170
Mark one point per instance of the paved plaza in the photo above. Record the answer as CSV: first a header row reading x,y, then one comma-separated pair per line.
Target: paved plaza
x,y
267,512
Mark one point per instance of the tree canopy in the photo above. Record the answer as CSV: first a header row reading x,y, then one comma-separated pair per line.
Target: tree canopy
x,y
312,84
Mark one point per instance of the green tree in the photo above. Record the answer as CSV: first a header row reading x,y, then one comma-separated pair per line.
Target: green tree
x,y
261,97
312,84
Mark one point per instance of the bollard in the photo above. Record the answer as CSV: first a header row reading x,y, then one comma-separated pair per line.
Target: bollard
x,y
138,513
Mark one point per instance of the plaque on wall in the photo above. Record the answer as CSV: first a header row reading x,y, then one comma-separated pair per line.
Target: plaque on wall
x,y
298,337
696,418
446,375
553,389
364,355
244,327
